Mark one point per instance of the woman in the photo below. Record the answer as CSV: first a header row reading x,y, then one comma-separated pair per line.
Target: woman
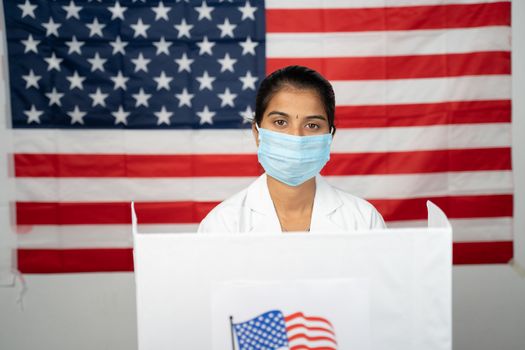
x,y
293,129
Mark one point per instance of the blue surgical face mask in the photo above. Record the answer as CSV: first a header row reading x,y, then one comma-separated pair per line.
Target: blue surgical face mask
x,y
292,159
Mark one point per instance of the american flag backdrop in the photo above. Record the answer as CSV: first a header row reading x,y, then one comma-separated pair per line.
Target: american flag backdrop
x,y
120,100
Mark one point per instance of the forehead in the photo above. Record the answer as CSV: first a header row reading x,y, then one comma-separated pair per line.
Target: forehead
x,y
296,101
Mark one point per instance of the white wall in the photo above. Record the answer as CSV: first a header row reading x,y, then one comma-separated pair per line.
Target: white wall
x,y
97,311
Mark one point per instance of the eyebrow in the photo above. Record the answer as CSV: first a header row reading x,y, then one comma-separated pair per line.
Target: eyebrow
x,y
283,114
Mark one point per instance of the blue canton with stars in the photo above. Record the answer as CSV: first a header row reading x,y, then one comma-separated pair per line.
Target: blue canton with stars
x,y
134,64
264,332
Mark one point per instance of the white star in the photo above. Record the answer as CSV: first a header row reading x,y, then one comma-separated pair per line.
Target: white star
x,y
54,97
184,63
206,81
204,11
141,99
53,62
206,116
247,115
163,116
227,98
30,44
33,115
162,46
72,10
74,46
118,46
28,9
140,29
141,63
97,63
227,63
120,81
31,79
161,11
184,98
76,81
248,81
248,11
77,116
163,81
183,28
248,46
117,11
205,46
51,27
98,98
95,28
121,116
227,28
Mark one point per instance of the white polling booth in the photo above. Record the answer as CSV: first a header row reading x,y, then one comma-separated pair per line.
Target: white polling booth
x,y
384,289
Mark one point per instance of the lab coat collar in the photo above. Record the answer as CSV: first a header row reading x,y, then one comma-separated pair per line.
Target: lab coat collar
x,y
264,217
326,204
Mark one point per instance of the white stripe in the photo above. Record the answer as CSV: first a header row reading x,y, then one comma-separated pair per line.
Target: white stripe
x,y
218,189
388,43
425,185
242,141
134,141
427,90
320,4
126,189
119,236
470,230
439,137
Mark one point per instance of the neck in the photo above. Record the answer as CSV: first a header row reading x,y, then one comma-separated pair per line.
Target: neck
x,y
291,198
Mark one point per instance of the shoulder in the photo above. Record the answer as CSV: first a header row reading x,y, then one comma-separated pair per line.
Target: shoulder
x,y
363,213
228,215
225,216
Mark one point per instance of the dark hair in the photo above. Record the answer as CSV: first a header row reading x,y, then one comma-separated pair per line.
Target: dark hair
x,y
295,77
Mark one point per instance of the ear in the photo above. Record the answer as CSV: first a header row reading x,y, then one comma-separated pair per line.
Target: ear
x,y
255,133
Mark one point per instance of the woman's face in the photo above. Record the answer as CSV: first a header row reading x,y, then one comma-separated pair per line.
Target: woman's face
x,y
297,112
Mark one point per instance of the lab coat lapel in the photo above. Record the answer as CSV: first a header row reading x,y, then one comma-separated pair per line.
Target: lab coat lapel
x,y
326,205
263,217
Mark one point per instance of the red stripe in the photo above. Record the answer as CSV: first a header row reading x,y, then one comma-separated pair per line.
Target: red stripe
x,y
418,162
445,113
70,213
74,260
140,166
401,67
96,260
390,18
482,252
456,207
52,213
125,165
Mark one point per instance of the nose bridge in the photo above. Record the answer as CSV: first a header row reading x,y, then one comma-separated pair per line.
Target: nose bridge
x,y
296,126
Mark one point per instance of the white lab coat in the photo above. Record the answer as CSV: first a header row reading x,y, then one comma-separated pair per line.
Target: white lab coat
x,y
252,210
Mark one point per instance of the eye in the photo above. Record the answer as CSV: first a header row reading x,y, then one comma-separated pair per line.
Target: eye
x,y
280,122
312,126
